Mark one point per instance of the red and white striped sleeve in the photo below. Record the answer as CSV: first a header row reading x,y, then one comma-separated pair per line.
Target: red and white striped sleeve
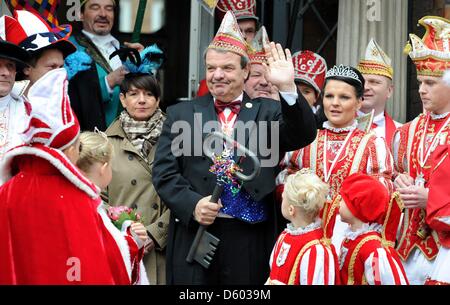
x,y
380,268
317,266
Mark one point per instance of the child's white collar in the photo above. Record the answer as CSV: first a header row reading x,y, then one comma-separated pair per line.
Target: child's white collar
x,y
303,230
366,227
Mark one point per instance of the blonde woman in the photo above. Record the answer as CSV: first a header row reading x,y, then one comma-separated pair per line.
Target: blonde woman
x,y
300,255
96,153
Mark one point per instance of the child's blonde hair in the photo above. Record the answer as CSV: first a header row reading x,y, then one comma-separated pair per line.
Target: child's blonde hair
x,y
307,191
95,147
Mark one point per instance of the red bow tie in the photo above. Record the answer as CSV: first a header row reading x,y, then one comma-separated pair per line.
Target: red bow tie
x,y
235,106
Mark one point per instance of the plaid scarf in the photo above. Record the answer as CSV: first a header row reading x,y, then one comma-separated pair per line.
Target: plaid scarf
x,y
143,134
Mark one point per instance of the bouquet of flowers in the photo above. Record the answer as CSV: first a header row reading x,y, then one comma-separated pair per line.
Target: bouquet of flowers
x,y
120,214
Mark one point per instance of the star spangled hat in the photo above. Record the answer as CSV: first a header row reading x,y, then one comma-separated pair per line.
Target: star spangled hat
x,y
310,68
376,61
229,37
431,54
242,9
47,9
9,50
32,33
256,52
52,121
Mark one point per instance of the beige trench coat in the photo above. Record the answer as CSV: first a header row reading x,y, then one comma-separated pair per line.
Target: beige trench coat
x,y
132,184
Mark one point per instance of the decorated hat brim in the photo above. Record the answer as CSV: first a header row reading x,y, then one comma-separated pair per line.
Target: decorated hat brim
x,y
15,53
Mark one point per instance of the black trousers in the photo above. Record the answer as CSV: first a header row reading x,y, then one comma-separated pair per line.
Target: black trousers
x,y
242,257
244,252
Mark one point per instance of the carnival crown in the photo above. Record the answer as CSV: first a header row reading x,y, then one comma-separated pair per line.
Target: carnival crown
x,y
431,54
229,37
375,61
343,71
242,9
256,52
309,67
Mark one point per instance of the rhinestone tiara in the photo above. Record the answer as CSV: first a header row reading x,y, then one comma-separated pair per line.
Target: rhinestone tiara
x,y
343,71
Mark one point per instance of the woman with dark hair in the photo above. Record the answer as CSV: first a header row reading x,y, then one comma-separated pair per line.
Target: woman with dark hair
x,y
341,149
134,136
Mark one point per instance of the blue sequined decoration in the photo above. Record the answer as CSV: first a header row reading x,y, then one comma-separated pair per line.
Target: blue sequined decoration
x,y
242,206
235,200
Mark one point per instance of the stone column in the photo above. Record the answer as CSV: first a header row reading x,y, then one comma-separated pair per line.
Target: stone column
x,y
387,22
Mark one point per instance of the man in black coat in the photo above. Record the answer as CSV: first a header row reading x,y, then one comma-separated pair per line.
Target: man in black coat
x,y
181,170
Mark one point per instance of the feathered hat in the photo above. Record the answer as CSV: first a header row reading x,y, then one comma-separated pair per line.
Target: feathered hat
x,y
431,54
146,62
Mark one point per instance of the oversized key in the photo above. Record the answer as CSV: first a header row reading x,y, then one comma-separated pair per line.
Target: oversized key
x,y
205,244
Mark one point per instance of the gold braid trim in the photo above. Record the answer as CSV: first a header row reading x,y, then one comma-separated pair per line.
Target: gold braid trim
x,y
399,201
334,205
297,260
351,266
360,153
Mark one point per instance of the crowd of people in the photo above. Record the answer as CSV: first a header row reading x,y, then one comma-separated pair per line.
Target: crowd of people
x,y
99,186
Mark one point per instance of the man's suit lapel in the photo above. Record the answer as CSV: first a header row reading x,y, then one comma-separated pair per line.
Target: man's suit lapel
x,y
204,107
248,113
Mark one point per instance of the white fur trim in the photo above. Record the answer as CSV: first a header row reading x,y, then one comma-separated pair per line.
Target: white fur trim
x,y
143,279
5,167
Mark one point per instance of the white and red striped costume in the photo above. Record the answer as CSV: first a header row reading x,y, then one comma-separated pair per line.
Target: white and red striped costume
x,y
363,153
438,214
366,259
301,257
418,244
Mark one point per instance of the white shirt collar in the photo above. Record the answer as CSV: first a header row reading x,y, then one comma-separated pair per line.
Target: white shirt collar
x,y
365,228
102,40
239,98
379,119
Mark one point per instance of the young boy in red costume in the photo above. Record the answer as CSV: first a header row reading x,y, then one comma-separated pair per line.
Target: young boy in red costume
x,y
367,254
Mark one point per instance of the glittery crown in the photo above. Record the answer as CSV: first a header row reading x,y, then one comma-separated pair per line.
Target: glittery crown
x,y
342,71
256,52
375,61
229,37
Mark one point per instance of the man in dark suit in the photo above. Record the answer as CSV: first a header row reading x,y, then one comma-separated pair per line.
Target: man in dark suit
x,y
245,223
